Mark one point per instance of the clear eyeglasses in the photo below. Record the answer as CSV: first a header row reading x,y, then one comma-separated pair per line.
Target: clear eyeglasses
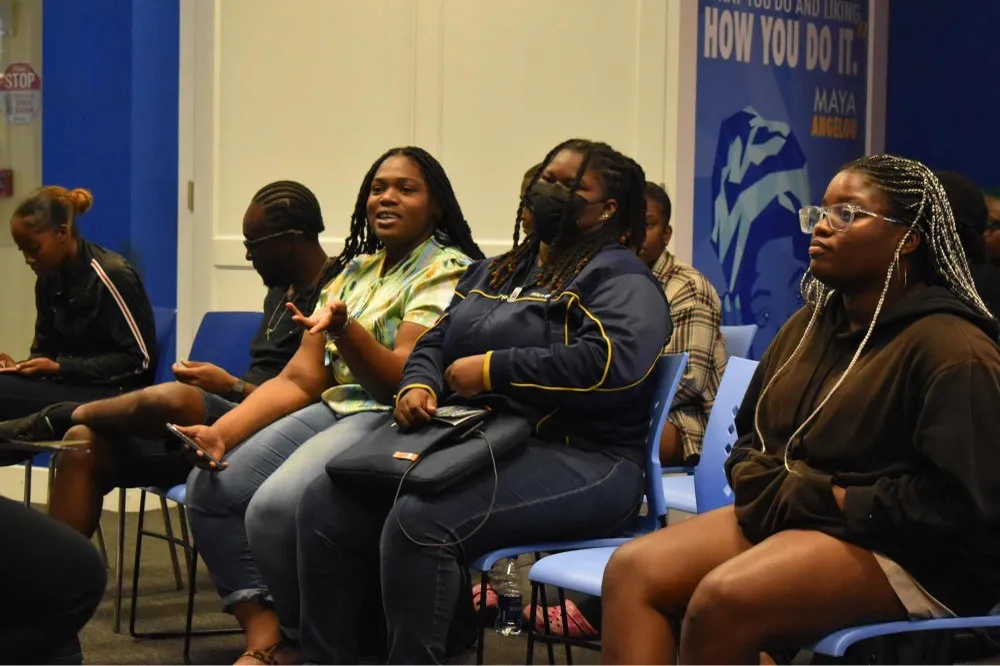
x,y
839,215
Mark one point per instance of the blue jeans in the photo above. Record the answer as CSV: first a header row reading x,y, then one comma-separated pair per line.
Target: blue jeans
x,y
218,501
349,541
270,518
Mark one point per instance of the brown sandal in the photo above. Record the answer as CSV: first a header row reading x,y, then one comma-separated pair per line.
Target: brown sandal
x,y
265,656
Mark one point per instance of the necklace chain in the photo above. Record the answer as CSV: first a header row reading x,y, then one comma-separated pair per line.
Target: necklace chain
x,y
272,325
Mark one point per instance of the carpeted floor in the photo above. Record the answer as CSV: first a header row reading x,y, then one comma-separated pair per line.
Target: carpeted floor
x,y
162,609
162,606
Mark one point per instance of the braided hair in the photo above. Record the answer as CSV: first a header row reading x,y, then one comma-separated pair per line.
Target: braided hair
x,y
450,229
623,180
291,206
916,198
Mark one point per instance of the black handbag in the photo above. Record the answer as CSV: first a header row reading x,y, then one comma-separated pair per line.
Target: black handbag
x,y
459,441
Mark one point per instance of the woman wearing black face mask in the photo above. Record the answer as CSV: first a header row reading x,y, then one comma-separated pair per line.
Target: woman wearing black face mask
x,y
573,335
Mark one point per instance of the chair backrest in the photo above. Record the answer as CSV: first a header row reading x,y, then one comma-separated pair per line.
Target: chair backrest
x,y
711,490
667,375
738,339
223,338
165,320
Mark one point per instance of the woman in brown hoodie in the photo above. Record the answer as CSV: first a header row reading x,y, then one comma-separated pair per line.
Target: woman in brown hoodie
x,y
866,477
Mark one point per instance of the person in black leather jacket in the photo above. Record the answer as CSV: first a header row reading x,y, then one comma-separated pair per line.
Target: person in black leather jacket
x,y
94,330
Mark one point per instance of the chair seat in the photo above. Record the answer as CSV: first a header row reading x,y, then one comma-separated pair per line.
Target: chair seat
x,y
578,570
836,644
486,562
177,493
679,493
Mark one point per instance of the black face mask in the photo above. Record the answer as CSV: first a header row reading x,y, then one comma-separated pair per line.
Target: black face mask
x,y
555,210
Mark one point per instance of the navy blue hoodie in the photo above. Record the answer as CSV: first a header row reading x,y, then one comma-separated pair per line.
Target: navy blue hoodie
x,y
579,357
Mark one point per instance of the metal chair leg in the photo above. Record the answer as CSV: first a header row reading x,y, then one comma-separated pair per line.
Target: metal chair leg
x,y
182,519
52,477
192,587
120,562
192,561
529,658
548,629
136,564
565,624
101,545
169,530
27,482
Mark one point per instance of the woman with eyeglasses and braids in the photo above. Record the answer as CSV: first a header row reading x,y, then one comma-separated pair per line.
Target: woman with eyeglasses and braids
x,y
866,476
332,392
573,332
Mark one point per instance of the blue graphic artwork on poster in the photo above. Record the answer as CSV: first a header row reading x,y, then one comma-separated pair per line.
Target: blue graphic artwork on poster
x,y
781,100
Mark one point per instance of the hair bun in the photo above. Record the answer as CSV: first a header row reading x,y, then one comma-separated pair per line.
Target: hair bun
x,y
82,200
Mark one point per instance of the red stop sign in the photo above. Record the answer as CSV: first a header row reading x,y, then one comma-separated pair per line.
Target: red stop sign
x,y
21,76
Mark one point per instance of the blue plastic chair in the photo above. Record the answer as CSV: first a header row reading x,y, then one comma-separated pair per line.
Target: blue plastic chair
x,y
837,644
668,373
707,488
583,570
738,339
166,326
223,338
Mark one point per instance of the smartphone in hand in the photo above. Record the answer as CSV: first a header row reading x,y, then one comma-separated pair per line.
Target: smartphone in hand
x,y
191,444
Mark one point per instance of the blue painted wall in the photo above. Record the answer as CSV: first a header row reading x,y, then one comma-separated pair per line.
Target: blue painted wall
x,y
87,107
153,205
943,98
110,77
110,87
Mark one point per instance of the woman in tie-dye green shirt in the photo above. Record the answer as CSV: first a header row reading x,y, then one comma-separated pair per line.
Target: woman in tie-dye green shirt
x,y
380,302
360,335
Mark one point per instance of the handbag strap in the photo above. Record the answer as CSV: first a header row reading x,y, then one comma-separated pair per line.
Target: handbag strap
x,y
496,484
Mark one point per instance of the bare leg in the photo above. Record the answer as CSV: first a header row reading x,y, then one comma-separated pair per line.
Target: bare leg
x,y
262,633
83,476
649,582
143,413
671,446
78,490
788,591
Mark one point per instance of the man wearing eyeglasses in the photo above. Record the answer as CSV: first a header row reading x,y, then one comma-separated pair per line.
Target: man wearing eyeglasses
x,y
124,441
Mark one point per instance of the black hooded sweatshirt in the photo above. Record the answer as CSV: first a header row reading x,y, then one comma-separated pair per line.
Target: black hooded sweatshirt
x,y
911,434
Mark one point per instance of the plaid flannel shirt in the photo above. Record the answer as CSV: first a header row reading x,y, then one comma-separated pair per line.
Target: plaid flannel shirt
x,y
697,315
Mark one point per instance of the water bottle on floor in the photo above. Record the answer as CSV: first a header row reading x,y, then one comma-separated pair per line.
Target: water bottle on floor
x,y
507,585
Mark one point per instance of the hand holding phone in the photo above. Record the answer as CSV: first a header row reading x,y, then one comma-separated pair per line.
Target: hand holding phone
x,y
214,462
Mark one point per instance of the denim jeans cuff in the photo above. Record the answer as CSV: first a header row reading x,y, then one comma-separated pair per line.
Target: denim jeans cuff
x,y
260,596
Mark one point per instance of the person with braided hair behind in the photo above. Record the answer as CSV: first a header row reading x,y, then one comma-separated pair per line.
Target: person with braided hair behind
x,y
125,442
336,389
866,474
575,336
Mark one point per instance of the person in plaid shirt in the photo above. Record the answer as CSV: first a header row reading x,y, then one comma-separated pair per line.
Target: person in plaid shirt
x,y
697,315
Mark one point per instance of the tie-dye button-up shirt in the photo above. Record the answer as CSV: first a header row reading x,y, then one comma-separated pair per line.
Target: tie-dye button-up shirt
x,y
417,289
